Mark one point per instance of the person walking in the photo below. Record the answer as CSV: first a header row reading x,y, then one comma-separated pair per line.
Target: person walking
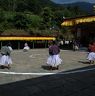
x,y
54,60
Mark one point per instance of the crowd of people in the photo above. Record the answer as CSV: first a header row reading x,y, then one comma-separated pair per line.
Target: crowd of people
x,y
69,44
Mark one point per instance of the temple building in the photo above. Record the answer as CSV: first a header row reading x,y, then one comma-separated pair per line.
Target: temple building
x,y
83,28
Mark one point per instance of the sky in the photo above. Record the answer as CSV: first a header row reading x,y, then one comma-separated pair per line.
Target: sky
x,y
71,1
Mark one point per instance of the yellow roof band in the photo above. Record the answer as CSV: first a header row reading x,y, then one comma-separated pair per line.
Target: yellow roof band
x,y
71,22
27,38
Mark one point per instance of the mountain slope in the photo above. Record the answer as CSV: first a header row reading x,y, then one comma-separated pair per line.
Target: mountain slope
x,y
88,7
25,5
85,6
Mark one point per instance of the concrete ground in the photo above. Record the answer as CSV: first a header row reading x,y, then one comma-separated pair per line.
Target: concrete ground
x,y
28,75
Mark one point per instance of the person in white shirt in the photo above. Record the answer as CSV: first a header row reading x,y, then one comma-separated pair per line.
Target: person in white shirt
x,y
26,47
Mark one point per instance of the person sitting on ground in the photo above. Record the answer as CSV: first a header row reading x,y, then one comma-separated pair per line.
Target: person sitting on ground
x,y
26,47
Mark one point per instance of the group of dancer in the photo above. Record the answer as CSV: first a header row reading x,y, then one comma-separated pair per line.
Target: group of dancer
x,y
53,60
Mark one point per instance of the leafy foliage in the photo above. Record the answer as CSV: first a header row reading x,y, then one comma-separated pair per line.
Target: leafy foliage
x,y
21,21
38,17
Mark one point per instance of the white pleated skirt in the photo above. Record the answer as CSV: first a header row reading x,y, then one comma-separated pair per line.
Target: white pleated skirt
x,y
5,60
54,60
91,56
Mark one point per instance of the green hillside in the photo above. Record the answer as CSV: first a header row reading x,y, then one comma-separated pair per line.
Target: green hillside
x,y
35,17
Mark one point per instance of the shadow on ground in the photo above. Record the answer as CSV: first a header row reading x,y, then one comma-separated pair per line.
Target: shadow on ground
x,y
74,84
4,67
84,62
45,67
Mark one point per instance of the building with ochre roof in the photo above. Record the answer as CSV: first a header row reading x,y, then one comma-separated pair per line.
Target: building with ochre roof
x,y
83,28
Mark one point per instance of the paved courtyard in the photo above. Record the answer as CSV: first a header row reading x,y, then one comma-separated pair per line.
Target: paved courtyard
x,y
26,76
35,59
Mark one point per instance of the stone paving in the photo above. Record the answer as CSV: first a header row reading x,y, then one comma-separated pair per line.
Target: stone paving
x,y
74,83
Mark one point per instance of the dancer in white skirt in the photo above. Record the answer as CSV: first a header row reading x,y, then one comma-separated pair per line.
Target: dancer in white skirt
x,y
5,59
54,60
91,55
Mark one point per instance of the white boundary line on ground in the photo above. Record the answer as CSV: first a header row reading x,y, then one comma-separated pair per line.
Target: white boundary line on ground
x,y
39,74
34,55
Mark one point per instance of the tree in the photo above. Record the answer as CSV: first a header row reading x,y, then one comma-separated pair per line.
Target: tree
x,y
2,20
47,15
35,20
58,17
21,21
